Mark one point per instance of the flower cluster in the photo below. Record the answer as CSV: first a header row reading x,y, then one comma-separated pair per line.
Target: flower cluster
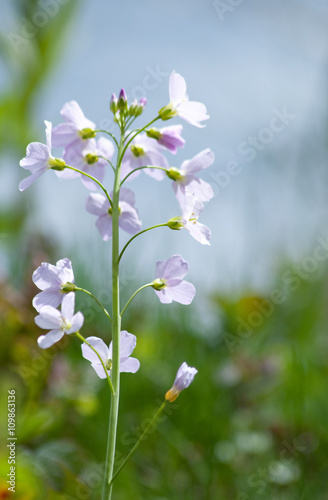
x,y
89,158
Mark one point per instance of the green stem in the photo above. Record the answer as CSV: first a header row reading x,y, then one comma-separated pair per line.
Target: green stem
x,y
138,234
116,328
100,358
94,179
132,297
108,161
135,135
109,133
143,435
140,168
95,298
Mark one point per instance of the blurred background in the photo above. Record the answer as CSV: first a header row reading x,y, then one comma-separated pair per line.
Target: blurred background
x,y
253,423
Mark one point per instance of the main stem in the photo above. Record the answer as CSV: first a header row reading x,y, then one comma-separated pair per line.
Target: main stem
x,y
116,328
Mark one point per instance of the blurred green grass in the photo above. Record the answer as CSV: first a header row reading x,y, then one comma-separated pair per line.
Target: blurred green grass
x,y
252,424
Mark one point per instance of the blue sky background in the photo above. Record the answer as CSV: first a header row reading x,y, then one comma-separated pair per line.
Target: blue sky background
x,y
263,56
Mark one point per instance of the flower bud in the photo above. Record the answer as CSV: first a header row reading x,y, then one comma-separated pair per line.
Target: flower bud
x,y
141,106
113,103
183,379
122,103
175,223
133,108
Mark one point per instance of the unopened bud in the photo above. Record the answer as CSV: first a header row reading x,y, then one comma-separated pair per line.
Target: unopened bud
x,y
122,103
113,103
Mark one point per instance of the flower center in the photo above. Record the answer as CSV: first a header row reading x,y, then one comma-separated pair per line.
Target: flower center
x,y
137,151
109,364
65,325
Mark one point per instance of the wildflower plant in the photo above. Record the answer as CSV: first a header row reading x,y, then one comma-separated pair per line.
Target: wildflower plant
x,y
90,158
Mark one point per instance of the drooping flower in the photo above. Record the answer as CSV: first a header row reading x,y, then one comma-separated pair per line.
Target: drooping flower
x,y
128,342
189,220
76,129
185,376
143,151
58,322
89,160
168,137
185,180
169,284
52,280
98,204
39,159
179,105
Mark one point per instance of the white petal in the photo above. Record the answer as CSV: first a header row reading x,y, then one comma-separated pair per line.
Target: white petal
x,y
128,342
76,322
49,318
174,268
193,113
203,160
97,204
99,370
199,231
49,297
25,183
100,347
177,88
68,304
104,226
48,133
46,276
45,341
66,271
182,293
71,112
129,365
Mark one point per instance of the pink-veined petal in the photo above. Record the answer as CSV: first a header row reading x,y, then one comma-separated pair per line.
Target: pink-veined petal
x,y
182,293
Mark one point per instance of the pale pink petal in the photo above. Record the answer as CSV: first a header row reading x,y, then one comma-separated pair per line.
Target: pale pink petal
x,y
129,219
127,195
104,226
66,270
37,155
184,376
46,275
49,318
129,365
173,268
76,323
64,134
193,113
96,170
45,341
72,113
201,189
203,160
97,204
100,347
163,296
182,293
199,231
105,148
128,343
99,370
49,297
177,88
68,304
25,183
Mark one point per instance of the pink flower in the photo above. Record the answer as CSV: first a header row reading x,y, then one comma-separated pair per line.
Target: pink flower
x,y
169,285
189,220
192,112
183,379
88,159
128,342
168,137
39,159
76,129
98,204
51,280
185,180
143,151
58,322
